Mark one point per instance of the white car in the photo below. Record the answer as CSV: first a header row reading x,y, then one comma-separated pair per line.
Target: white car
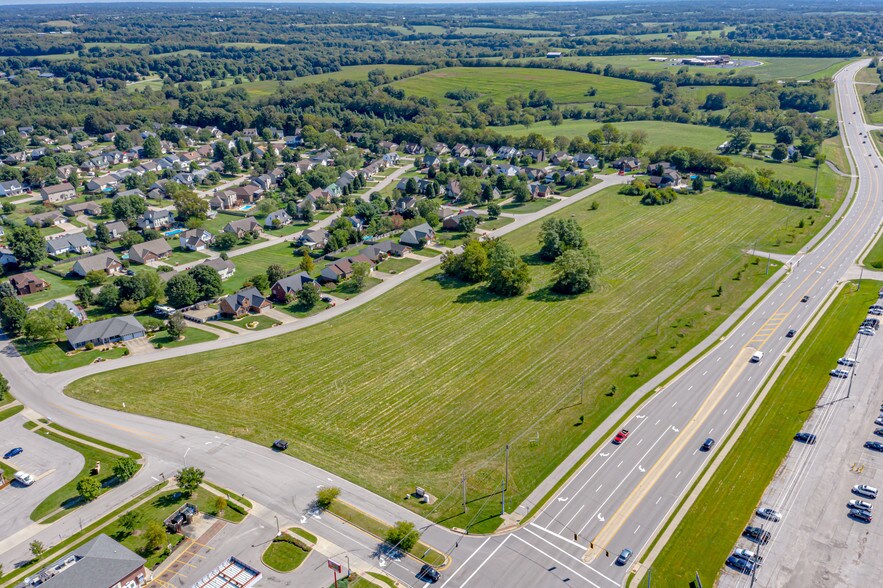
x,y
879,421
769,514
24,478
865,490
838,373
846,361
867,332
747,555
860,504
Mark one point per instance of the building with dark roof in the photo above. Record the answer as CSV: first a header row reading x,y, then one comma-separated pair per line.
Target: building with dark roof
x,y
100,563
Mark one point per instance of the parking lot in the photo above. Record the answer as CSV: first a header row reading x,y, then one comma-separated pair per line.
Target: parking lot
x,y
51,464
817,543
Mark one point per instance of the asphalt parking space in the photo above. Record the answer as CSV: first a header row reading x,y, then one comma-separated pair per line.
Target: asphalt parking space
x,y
50,463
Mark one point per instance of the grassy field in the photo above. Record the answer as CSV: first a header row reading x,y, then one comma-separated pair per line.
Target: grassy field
x,y
699,93
256,262
440,348
394,265
46,357
284,556
564,87
737,486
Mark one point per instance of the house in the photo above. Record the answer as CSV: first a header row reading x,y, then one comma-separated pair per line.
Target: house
x,y
241,226
45,219
27,283
453,222
195,239
404,204
659,168
292,285
391,158
248,194
413,149
279,218
87,208
379,251
117,229
11,188
357,222
100,563
135,192
343,268
58,193
7,257
667,179
535,174
626,164
507,170
112,330
334,190
106,262
155,219
422,185
481,150
440,148
64,171
431,161
461,150
265,182
313,238
535,154
507,152
243,302
150,251
102,184
387,146
560,158
586,161
540,190
303,166
68,243
224,200
224,267
72,308
419,235
453,189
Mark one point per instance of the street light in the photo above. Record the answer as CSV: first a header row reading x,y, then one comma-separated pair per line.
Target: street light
x,y
347,565
278,532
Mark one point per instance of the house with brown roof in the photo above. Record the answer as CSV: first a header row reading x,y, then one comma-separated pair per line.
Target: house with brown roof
x,y
343,268
58,193
150,251
27,283
106,262
242,226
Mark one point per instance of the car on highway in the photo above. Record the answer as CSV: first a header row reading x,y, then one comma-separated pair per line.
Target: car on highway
x,y
12,452
709,443
865,490
24,478
769,514
621,436
847,361
874,445
861,515
758,355
748,555
757,535
805,299
428,573
624,557
838,373
790,333
739,564
280,444
807,438
861,505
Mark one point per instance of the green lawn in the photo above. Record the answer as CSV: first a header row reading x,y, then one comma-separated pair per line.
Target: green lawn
x,y
284,556
394,265
347,289
699,93
262,322
737,486
66,497
11,411
529,206
490,225
298,311
256,262
454,373
304,533
564,87
191,337
55,357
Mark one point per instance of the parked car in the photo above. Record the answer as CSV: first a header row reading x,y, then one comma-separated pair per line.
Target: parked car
x,y
879,421
874,445
709,443
748,555
624,557
739,564
428,573
12,452
621,436
865,490
280,444
878,432
769,514
861,505
847,361
807,438
861,515
757,535
838,373
867,332
24,478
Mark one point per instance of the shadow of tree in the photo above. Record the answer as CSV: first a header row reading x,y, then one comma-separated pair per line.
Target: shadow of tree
x,y
548,295
478,294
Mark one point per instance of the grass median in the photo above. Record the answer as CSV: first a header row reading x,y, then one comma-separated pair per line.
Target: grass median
x,y
705,537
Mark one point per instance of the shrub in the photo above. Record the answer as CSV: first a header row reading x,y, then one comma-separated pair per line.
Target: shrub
x,y
325,497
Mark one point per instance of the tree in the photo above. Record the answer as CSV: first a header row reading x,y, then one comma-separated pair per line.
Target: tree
x,y
225,241
780,152
575,270
108,297
155,535
521,193
208,282
403,536
468,224
37,548
127,208
698,184
559,235
715,101
469,266
494,210
95,278
220,504
89,489
326,496
102,234
4,387
13,313
6,290
28,245
152,147
182,290
124,468
260,282
189,479
308,296
740,138
508,275
122,141
46,324
189,205
131,238
130,521
361,270
275,272
176,326
306,263
74,178
784,134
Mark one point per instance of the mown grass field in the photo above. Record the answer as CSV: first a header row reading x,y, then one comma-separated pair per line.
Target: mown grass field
x,y
435,378
737,486
564,87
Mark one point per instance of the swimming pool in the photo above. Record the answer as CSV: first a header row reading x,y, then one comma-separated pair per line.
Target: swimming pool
x,y
246,207
173,232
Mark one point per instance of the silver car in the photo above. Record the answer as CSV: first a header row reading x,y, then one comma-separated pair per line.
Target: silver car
x,y
769,514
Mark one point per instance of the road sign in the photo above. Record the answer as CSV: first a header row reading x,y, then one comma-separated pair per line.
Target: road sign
x,y
333,565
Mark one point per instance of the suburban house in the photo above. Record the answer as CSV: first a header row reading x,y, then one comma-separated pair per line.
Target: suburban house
x,y
453,189
540,190
507,152
243,302
195,239
100,563
72,308
313,238
112,330
45,219
482,150
404,204
241,226
105,261
248,194
7,257
102,183
626,164
68,243
78,208
58,193
223,200
419,235
27,283
150,251
453,222
135,192
155,219
11,188
224,267
343,268
379,251
535,154
586,161
117,229
664,177
292,285
280,218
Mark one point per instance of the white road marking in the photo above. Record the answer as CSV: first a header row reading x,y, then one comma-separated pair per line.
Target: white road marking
x,y
678,474
657,422
599,488
620,463
636,530
675,404
493,553
639,442
568,522
690,388
658,499
563,565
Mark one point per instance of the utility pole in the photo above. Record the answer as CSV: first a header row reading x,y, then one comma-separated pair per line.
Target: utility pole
x,y
858,343
860,274
505,479
768,259
463,480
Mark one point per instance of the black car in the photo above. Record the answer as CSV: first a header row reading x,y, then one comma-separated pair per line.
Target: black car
x,y
805,299
280,444
807,438
428,573
757,535
878,432
875,445
790,333
709,443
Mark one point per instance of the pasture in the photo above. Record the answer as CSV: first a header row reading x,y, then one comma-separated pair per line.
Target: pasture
x,y
564,87
435,378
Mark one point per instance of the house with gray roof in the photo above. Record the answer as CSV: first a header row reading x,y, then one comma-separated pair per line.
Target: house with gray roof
x,y
195,239
117,229
241,226
45,219
155,219
11,188
292,285
150,251
100,563
72,308
418,235
68,243
58,193
105,261
224,267
243,302
113,330
276,219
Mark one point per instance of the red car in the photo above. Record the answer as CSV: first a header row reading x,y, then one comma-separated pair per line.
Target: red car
x,y
621,436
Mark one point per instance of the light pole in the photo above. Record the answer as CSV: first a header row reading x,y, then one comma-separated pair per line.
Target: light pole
x,y
347,565
278,531
858,343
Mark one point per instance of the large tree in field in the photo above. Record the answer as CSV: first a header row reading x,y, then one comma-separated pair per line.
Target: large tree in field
x,y
508,275
575,271
559,235
189,479
28,245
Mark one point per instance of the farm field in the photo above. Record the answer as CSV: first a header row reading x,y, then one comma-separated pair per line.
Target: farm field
x,y
503,383
564,87
700,92
256,262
